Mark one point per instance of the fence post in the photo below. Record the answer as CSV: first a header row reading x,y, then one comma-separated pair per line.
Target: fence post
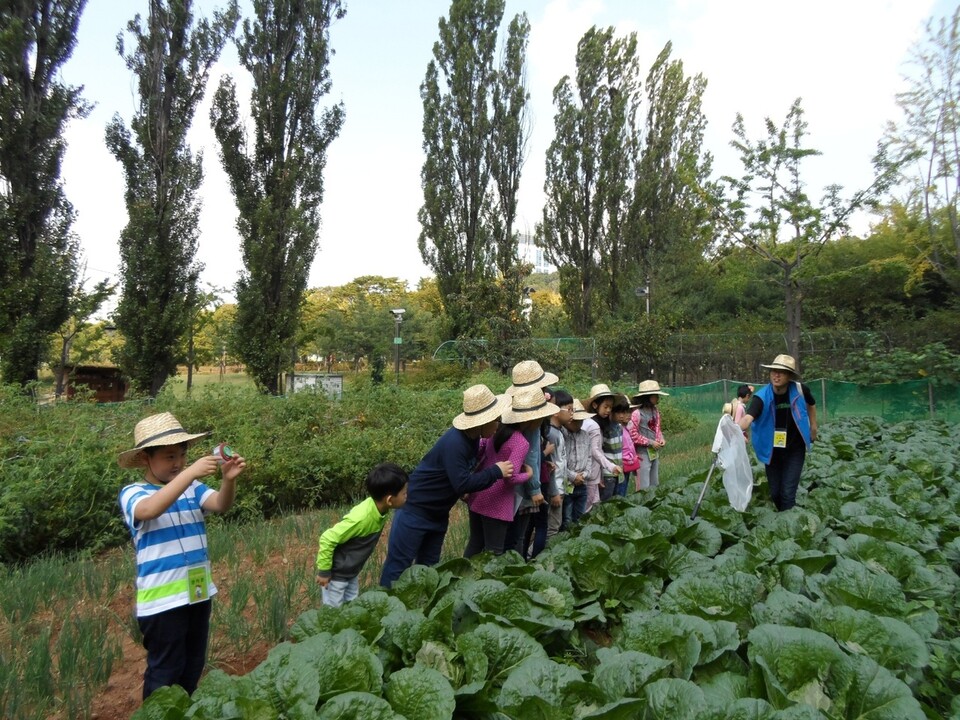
x,y
930,399
725,395
823,394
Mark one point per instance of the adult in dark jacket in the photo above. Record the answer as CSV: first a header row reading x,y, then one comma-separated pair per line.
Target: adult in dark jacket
x,y
783,416
446,473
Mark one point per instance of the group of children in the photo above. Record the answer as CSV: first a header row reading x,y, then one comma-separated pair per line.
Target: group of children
x,y
527,463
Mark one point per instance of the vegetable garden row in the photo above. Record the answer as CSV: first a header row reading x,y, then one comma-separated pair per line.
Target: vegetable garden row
x,y
841,608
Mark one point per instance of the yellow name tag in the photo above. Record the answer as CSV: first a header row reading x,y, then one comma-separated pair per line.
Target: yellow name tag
x,y
198,583
779,438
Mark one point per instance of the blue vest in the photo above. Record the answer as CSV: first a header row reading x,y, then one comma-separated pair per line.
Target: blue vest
x,y
761,431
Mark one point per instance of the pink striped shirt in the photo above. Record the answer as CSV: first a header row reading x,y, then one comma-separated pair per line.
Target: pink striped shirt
x,y
497,501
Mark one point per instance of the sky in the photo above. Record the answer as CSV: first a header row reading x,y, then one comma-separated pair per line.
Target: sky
x,y
844,58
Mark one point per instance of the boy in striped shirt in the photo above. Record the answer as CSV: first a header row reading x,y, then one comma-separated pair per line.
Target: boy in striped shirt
x,y
164,513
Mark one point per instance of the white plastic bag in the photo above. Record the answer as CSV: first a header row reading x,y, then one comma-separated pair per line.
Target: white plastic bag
x,y
731,450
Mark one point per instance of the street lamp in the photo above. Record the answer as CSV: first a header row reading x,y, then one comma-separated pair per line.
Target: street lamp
x,y
526,304
644,292
397,340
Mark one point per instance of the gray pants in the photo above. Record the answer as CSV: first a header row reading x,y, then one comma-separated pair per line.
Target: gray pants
x,y
648,475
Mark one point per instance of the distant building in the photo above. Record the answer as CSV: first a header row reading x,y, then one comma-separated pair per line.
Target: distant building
x,y
106,382
530,253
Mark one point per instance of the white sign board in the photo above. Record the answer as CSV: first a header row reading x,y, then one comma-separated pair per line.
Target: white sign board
x,y
328,383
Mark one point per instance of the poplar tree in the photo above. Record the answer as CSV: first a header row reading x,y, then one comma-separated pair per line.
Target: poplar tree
x,y
277,177
590,170
38,252
171,59
474,138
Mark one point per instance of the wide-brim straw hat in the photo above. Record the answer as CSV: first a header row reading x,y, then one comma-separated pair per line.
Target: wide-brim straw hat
x,y
480,406
529,374
648,387
529,404
598,392
155,431
783,362
579,413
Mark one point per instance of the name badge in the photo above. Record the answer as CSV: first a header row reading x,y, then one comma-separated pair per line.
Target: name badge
x,y
780,438
652,453
198,583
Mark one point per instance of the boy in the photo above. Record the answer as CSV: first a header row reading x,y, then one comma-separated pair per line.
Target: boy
x,y
442,477
580,464
346,546
563,400
164,513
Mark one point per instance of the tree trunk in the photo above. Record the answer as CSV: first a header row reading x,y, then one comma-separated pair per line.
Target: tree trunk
x,y
792,303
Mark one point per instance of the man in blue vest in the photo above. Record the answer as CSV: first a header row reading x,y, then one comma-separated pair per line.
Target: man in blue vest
x,y
783,414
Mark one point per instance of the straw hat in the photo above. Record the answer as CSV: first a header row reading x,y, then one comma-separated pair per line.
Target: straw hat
x,y
597,392
529,404
648,387
783,362
480,406
529,374
155,431
579,413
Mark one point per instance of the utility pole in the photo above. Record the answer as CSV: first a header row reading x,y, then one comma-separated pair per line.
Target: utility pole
x,y
397,340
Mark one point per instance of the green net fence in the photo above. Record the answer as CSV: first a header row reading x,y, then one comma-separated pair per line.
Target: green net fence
x,y
915,399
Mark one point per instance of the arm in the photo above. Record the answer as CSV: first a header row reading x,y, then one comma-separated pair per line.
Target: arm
x,y
596,450
222,500
517,452
638,439
459,463
155,505
755,410
812,413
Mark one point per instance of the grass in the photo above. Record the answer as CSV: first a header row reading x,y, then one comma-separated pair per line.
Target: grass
x,y
63,620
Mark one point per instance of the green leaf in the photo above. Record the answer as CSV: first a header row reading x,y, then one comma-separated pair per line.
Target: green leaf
x,y
624,673
421,693
671,699
358,706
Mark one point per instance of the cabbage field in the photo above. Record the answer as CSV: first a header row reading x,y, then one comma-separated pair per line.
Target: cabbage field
x,y
841,608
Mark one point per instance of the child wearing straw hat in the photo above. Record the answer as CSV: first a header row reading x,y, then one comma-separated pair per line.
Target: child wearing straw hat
x,y
783,416
492,510
579,464
527,375
647,434
606,437
447,472
165,515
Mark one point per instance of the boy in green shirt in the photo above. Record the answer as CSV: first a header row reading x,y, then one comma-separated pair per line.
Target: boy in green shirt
x,y
346,546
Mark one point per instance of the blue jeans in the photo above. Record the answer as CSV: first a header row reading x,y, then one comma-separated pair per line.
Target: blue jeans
x,y
337,592
176,643
574,505
413,539
783,475
626,480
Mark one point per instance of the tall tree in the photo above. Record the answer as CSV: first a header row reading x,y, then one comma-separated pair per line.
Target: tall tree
x,y
927,143
171,59
590,169
38,252
278,182
669,220
474,138
769,212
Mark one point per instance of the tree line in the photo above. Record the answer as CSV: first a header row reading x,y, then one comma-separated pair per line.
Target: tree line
x,y
632,213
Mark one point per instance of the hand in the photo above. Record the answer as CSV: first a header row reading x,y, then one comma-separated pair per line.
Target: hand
x,y
556,501
506,469
813,433
549,448
233,467
617,470
207,465
578,480
323,580
526,469
537,500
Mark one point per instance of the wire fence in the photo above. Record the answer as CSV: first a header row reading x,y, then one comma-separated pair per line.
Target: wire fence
x,y
914,399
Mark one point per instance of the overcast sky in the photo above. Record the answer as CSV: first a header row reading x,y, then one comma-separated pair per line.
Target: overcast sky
x,y
845,58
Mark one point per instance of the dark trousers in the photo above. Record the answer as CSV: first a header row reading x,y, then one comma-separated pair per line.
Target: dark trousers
x,y
176,644
574,505
486,533
783,475
413,539
536,533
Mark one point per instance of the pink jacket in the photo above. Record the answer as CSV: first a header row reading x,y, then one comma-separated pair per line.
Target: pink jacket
x,y
497,501
631,461
644,426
